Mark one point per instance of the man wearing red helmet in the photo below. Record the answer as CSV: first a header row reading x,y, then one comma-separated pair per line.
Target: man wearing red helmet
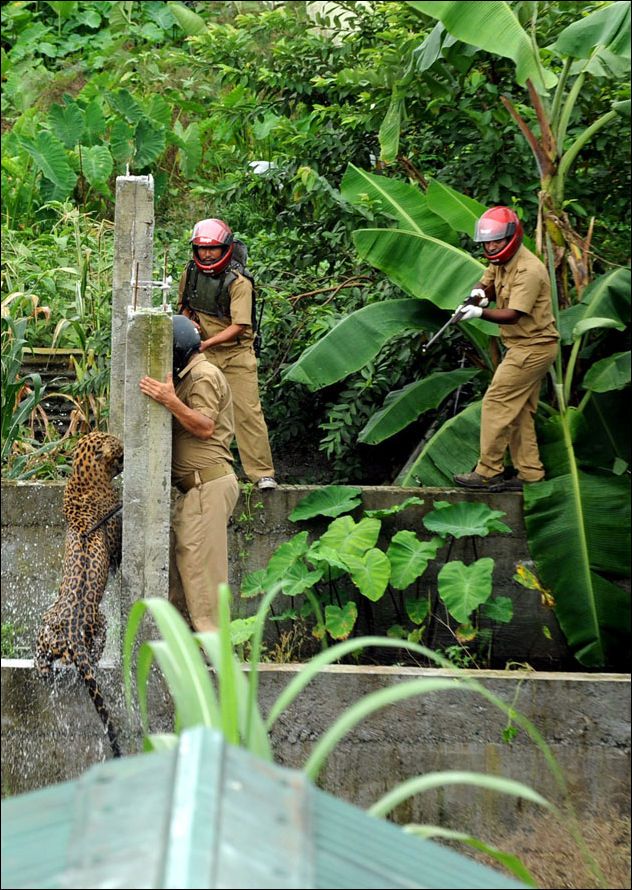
x,y
519,284
218,298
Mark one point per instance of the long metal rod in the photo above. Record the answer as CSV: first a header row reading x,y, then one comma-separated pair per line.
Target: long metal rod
x,y
439,332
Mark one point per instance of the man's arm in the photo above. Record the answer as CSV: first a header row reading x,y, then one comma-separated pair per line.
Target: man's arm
x,y
232,332
502,316
196,423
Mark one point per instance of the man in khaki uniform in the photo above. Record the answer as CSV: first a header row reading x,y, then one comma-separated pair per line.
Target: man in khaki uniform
x,y
201,470
219,300
519,284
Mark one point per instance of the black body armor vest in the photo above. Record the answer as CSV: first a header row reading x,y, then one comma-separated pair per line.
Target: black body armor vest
x,y
208,294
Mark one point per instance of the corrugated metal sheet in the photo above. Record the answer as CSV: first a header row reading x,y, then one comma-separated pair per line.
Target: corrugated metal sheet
x,y
208,815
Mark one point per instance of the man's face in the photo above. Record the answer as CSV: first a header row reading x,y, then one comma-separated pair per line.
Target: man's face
x,y
493,247
207,254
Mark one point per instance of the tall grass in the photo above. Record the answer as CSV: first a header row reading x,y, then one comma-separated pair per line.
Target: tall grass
x,y
229,704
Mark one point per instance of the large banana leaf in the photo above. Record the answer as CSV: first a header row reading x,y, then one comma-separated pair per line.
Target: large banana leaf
x,y
578,524
358,338
190,22
612,372
492,26
390,129
453,449
456,209
606,297
608,27
403,406
404,203
423,266
604,439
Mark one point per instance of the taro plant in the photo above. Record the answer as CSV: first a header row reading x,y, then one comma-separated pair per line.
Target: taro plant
x,y
337,579
228,702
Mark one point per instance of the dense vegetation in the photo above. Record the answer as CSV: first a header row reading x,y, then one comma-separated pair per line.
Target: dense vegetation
x,y
352,153
91,90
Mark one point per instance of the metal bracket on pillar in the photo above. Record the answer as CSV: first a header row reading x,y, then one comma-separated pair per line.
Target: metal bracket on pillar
x,y
164,285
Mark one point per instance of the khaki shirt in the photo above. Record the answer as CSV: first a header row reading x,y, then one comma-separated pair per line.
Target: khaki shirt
x,y
240,293
523,284
202,387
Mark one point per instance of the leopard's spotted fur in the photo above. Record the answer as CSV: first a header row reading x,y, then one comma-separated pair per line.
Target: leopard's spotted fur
x,y
73,628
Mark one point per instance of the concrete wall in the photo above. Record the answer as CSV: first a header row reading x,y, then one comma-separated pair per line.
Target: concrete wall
x,y
51,733
50,730
32,547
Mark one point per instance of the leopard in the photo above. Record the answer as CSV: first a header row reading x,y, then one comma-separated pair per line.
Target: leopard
x,y
73,629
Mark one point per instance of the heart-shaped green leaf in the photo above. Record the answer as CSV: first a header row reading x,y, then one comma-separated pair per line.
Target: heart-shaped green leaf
x,y
340,622
464,588
417,609
464,519
409,557
370,573
285,556
351,538
330,501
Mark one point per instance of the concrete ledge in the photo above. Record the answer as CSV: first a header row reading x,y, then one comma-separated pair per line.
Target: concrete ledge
x,y
33,534
52,733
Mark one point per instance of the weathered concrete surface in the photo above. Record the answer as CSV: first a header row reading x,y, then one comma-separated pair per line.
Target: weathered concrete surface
x,y
32,542
147,471
51,733
133,252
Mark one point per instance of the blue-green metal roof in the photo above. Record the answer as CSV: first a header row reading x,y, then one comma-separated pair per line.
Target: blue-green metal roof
x,y
211,815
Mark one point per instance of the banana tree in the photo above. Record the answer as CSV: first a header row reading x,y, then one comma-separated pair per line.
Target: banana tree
x,y
578,520
598,44
421,256
567,543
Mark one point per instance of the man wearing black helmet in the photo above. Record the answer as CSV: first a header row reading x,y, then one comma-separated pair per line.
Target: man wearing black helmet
x,y
518,282
201,470
219,299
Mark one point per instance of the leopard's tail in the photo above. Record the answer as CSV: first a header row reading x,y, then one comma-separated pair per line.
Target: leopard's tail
x,y
82,662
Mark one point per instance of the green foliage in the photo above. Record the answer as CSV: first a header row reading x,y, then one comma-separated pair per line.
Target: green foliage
x,y
20,394
330,501
345,570
101,86
70,306
230,705
11,647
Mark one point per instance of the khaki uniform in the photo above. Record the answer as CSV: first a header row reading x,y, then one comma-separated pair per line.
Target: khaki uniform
x,y
238,363
199,556
510,403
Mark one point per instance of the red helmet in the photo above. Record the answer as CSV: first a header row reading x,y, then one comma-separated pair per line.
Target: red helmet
x,y
495,225
212,233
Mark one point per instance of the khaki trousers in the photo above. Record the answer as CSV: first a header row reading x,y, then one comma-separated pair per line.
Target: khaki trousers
x,y
239,365
199,555
509,407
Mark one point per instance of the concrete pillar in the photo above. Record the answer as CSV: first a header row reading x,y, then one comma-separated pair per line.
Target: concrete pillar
x,y
147,473
133,249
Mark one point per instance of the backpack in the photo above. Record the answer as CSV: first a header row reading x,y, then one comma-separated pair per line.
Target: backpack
x,y
238,264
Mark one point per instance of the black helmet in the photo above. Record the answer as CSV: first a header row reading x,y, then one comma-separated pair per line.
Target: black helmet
x,y
186,341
